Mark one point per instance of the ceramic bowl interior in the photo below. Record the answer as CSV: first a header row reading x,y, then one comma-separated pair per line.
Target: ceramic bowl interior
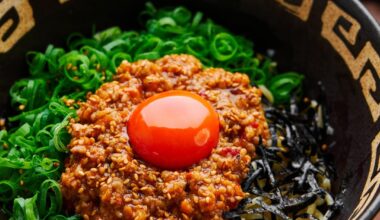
x,y
334,42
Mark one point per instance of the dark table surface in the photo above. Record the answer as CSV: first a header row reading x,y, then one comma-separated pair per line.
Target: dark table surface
x,y
374,7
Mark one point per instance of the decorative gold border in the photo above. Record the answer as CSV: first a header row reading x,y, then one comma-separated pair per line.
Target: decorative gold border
x,y
23,10
63,1
302,11
373,181
356,64
25,23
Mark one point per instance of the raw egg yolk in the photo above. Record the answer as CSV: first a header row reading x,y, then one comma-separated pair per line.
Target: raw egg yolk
x,y
174,129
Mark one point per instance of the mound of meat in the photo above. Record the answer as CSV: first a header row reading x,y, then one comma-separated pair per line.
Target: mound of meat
x,y
105,180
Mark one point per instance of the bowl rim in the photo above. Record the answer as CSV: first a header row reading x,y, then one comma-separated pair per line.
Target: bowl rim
x,y
367,209
366,206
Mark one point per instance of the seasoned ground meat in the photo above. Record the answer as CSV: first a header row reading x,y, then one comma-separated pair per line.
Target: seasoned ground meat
x,y
105,180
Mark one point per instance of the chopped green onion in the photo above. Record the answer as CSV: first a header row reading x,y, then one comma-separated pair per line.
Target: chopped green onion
x,y
282,86
223,47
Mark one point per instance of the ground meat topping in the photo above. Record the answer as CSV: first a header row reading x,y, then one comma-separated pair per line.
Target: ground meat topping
x,y
105,180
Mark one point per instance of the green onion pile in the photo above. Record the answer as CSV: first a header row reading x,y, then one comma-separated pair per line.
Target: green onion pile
x,y
33,143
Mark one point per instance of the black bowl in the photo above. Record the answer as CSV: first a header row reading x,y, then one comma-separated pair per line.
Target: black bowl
x,y
336,42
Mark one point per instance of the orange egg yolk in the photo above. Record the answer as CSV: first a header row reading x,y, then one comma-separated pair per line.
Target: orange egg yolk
x,y
174,129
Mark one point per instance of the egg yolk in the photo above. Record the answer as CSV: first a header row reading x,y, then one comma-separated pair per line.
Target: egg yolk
x,y
174,129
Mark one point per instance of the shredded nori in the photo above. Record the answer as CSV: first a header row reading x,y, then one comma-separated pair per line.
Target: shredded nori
x,y
294,168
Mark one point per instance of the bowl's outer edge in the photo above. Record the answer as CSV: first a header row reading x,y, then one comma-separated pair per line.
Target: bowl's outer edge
x,y
369,202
